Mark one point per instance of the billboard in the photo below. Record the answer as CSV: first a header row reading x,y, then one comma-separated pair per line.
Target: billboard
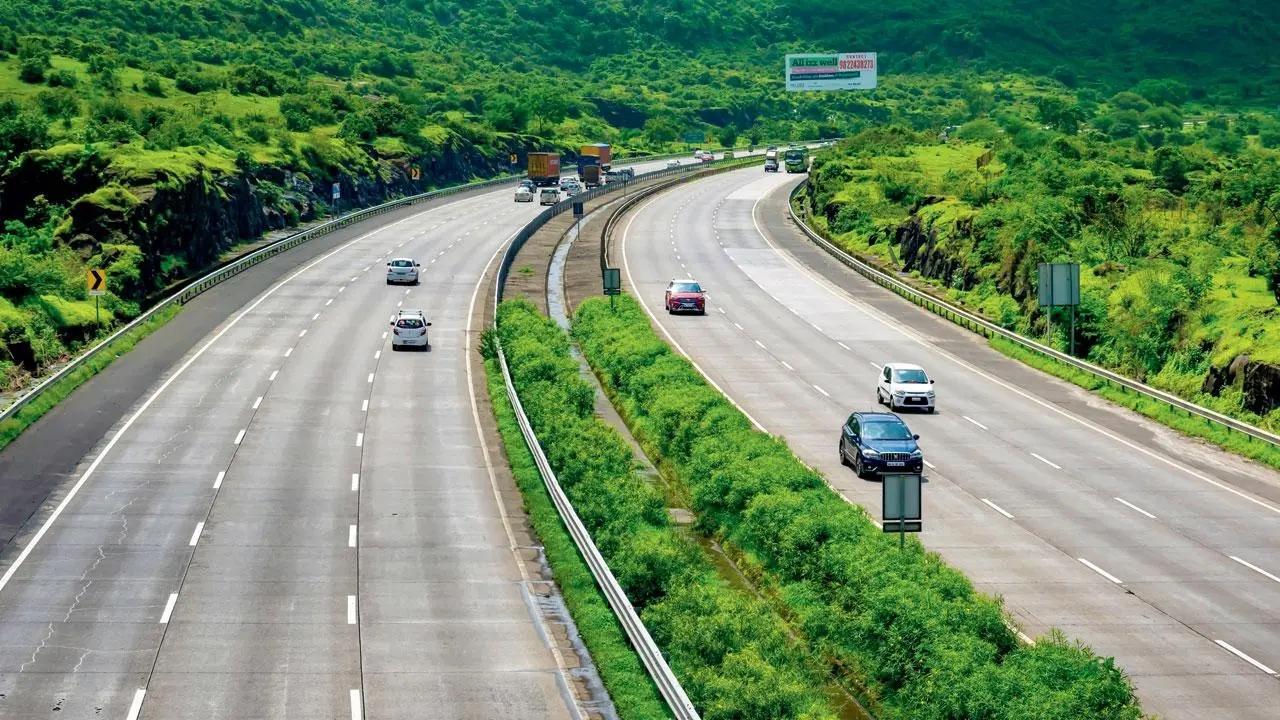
x,y
831,71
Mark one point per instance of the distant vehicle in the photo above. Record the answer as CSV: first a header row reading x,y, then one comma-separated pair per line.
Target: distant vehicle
x,y
708,157
673,163
544,168
621,175
874,443
573,190
697,154
771,153
524,194
409,329
728,155
564,183
771,164
591,176
598,153
402,270
796,160
527,183
904,386
685,295
548,196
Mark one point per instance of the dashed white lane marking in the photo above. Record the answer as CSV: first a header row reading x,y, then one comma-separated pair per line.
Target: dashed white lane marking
x,y
377,354
239,437
846,347
351,536
356,712
195,536
815,327
257,402
370,377
1100,571
762,347
351,609
1227,646
364,406
302,334
328,302
739,327
366,268
1046,461
384,335
975,422
344,287
217,482
787,365
359,439
272,377
408,290
315,317
354,278
824,392
355,482
1131,506
136,706
930,465
1254,568
997,508
168,609
288,352
721,310
877,366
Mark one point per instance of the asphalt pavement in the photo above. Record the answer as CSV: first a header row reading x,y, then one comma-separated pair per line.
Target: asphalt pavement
x,y
1160,551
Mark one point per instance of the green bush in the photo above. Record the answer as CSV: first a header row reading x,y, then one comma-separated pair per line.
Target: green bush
x,y
733,655
926,643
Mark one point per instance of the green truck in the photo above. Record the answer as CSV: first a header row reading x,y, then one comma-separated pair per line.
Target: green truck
x,y
796,160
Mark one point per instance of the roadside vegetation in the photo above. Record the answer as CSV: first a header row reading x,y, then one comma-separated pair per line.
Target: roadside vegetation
x,y
902,625
734,656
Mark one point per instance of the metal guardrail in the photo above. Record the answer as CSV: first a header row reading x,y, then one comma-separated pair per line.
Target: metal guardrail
x,y
989,329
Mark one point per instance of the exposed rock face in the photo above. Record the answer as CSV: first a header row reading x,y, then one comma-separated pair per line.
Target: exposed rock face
x,y
1259,383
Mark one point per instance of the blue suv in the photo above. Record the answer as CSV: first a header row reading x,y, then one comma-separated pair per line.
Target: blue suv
x,y
873,443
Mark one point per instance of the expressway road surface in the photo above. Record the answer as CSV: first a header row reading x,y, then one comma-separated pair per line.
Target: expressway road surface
x,y
1161,552
295,521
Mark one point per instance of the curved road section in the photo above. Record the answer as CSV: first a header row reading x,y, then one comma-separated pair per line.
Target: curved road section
x,y
1148,547
295,521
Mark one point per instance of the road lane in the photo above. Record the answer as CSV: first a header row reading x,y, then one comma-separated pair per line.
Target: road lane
x,y
765,311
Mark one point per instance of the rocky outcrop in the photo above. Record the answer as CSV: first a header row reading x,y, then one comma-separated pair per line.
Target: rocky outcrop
x,y
1259,383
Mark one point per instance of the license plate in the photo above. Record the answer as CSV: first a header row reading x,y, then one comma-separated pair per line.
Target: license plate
x,y
896,464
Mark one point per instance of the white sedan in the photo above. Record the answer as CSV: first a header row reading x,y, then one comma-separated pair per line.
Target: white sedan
x,y
673,163
903,386
524,194
402,270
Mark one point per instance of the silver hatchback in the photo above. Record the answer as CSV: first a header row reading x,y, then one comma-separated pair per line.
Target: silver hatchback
x,y
402,270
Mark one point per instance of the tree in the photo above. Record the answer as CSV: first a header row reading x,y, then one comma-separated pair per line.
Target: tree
x,y
728,136
547,106
20,131
1060,114
662,129
506,112
1170,165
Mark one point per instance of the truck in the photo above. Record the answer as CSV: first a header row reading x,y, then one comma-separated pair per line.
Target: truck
x,y
771,159
544,169
796,159
602,152
590,175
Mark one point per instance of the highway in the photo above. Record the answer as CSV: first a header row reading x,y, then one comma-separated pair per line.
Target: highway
x,y
295,521
1160,551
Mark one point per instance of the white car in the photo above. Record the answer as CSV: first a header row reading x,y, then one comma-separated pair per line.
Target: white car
x,y
409,329
402,270
673,163
524,194
903,386
549,196
697,154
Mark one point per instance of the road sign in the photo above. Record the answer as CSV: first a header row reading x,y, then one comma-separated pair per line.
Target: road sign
x,y
831,71
578,210
415,173
97,282
900,504
902,526
514,158
612,281
1060,287
337,190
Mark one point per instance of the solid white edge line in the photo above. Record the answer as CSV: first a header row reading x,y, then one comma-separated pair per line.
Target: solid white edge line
x,y
1122,501
359,439
357,713
355,482
351,609
1046,461
257,403
1100,571
168,608
217,482
195,536
351,536
975,422
997,508
1254,568
1228,647
239,437
136,706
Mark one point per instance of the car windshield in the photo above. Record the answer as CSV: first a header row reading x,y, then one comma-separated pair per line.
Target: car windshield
x,y
910,376
885,431
686,287
401,263
411,323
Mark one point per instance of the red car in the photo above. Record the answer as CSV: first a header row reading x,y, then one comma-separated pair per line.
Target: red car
x,y
686,296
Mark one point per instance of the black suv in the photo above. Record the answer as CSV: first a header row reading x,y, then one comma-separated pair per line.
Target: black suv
x,y
873,443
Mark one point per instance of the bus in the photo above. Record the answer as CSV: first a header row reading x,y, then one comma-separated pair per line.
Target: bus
x,y
796,159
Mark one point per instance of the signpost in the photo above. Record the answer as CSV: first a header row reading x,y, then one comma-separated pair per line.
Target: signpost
x,y
96,282
612,283
900,505
1060,287
831,71
337,197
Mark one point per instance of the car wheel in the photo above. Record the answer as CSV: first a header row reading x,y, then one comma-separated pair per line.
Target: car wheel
x,y
843,459
930,410
857,466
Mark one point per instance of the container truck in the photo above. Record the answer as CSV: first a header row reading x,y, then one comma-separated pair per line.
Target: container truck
x,y
602,152
544,169
591,176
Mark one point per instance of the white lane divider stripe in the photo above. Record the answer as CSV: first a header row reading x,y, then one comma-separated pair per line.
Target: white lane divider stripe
x,y
739,327
875,365
357,713
328,302
288,352
353,279
384,336
351,536
315,317
359,439
303,333
1100,571
815,327
997,508
257,403
351,609
217,482
195,536
168,609
721,310
355,482
1254,568
1131,506
136,706
377,354
824,392
364,406
787,365
366,268
370,377
975,422
930,465
1046,461
274,373
239,437
846,347
1227,646
344,287
762,347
